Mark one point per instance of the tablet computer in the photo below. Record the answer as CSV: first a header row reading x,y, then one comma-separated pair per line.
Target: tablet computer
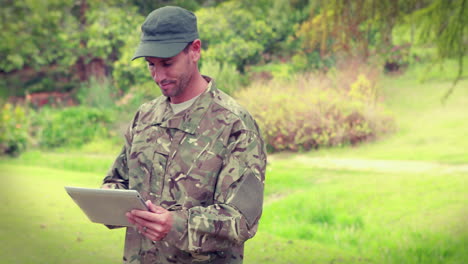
x,y
106,206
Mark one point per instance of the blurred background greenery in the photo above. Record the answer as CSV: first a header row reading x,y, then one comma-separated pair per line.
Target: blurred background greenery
x,y
316,62
363,106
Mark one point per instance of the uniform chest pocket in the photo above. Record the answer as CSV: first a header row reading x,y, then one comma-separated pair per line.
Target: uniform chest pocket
x,y
149,155
195,183
153,142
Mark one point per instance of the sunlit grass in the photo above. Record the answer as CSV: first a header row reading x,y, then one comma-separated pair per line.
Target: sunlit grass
x,y
41,224
329,215
379,217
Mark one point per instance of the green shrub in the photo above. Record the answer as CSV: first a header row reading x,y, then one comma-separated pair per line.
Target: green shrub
x,y
97,93
226,76
13,129
137,95
72,126
127,73
304,114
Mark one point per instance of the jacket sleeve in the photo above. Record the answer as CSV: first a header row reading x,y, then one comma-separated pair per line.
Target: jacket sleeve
x,y
238,199
117,176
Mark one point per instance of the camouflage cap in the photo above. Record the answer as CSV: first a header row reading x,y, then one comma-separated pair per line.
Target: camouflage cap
x,y
166,31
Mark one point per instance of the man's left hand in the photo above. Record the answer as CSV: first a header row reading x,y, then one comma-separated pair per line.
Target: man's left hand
x,y
153,224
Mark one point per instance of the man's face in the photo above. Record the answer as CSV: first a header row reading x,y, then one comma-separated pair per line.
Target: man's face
x,y
173,75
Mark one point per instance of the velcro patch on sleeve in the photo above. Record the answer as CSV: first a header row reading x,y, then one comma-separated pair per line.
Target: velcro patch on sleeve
x,y
248,198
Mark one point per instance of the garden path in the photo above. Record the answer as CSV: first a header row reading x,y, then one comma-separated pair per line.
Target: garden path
x,y
408,166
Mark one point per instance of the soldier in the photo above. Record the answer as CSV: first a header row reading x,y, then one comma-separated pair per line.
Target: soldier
x,y
193,153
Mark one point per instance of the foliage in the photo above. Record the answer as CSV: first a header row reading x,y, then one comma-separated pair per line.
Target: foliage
x,y
364,27
303,115
66,42
427,130
283,16
231,34
274,70
74,41
146,6
14,127
44,39
226,76
48,45
444,24
239,32
352,27
128,73
97,93
136,96
72,126
107,29
96,33
397,57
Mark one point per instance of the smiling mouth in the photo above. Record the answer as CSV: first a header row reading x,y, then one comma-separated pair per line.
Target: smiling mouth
x,y
166,85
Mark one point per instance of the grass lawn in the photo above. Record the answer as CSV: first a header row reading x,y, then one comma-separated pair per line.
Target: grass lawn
x,y
40,224
399,200
311,215
352,216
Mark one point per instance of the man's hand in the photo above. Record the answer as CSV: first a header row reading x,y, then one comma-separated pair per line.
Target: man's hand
x,y
153,224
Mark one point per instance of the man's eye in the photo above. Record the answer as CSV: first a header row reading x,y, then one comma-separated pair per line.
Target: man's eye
x,y
167,64
150,64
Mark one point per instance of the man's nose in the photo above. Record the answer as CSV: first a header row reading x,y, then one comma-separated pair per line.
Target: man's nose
x,y
158,74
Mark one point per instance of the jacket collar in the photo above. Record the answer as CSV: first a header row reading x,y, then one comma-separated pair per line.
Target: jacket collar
x,y
189,119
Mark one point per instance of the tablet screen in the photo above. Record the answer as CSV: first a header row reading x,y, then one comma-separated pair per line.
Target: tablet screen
x,y
106,206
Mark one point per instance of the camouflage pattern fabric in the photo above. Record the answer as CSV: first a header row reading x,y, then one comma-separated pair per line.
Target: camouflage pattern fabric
x,y
206,164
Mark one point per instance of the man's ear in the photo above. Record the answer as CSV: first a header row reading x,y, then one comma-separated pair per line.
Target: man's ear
x,y
195,49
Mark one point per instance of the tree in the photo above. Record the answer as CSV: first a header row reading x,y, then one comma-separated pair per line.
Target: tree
x,y
352,26
146,6
444,24
240,32
347,26
62,42
38,43
232,34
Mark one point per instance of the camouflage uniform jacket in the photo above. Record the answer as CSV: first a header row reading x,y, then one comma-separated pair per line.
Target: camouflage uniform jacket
x,y
206,164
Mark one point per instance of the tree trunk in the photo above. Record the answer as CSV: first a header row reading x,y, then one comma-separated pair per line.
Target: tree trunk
x,y
96,69
85,68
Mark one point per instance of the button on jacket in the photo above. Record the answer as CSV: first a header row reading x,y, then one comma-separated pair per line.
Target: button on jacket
x,y
206,164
